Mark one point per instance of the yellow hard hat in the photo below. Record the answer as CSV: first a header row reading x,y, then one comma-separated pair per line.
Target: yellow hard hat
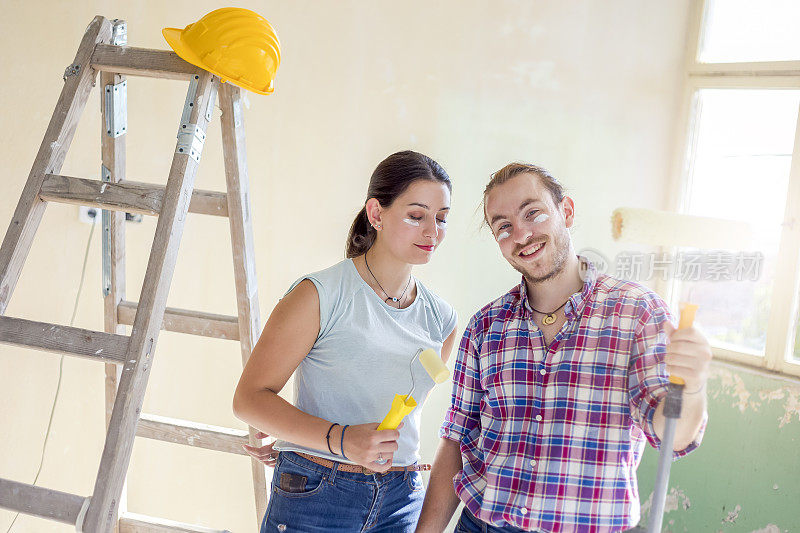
x,y
236,44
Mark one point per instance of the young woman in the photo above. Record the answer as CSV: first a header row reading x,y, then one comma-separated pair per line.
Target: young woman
x,y
349,334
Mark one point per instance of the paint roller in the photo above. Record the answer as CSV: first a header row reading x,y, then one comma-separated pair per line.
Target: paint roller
x,y
674,229
404,404
663,228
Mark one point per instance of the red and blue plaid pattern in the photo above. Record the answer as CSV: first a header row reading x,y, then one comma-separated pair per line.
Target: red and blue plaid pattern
x,y
551,435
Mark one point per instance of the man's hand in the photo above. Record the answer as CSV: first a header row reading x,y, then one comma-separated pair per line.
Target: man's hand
x,y
688,357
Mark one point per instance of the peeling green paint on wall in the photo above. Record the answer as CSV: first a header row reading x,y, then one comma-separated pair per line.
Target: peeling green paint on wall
x,y
745,477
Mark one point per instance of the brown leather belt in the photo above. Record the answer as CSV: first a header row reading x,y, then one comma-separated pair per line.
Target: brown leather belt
x,y
345,467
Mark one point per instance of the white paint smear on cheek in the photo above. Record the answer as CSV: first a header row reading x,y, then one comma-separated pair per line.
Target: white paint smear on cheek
x,y
411,222
541,218
502,236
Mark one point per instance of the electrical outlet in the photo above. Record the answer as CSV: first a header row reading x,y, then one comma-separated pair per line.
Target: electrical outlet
x,y
88,214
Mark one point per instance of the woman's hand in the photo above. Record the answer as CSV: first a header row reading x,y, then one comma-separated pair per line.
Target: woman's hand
x,y
364,444
265,453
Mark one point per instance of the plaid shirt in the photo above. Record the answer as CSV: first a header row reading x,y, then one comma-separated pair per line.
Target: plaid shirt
x,y
551,436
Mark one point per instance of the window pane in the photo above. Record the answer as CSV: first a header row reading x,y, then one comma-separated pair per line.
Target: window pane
x,y
734,313
746,30
740,171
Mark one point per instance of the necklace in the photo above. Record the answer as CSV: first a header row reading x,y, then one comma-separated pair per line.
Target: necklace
x,y
549,318
392,298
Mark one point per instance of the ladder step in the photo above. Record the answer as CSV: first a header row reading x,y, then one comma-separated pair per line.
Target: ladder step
x,y
40,501
179,431
130,196
186,321
96,345
145,62
138,523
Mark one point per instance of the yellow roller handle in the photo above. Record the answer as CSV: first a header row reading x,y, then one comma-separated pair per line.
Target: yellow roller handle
x,y
688,312
404,404
400,408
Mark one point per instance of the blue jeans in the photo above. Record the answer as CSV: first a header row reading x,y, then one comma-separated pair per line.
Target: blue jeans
x,y
308,498
469,523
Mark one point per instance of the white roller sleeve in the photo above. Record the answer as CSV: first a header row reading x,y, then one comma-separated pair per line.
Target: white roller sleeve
x,y
663,228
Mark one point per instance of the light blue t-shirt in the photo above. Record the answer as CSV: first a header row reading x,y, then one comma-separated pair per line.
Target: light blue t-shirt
x,y
361,357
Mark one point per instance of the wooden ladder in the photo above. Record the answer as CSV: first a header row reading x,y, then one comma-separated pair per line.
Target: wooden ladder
x,y
128,359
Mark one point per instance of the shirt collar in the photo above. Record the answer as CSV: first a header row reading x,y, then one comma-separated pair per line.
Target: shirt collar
x,y
576,303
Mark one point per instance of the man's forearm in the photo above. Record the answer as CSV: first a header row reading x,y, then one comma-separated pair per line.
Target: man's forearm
x,y
441,500
692,410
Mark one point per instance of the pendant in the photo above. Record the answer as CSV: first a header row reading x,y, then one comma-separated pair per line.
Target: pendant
x,y
549,319
394,299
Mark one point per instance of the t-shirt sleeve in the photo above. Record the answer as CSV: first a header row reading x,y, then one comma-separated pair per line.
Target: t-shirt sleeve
x,y
449,322
464,412
324,301
647,372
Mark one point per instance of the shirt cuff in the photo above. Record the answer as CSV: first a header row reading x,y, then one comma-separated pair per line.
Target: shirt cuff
x,y
656,442
450,432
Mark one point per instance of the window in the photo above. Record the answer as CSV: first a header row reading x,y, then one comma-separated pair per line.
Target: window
x,y
741,161
744,30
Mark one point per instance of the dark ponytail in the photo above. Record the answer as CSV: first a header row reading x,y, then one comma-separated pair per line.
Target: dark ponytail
x,y
390,179
361,237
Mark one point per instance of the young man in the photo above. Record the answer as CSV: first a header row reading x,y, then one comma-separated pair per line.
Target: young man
x,y
558,383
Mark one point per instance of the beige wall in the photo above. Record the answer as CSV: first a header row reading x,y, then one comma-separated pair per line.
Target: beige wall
x,y
589,89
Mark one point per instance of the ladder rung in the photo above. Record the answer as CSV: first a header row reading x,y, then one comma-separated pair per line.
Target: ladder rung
x,y
96,345
202,202
145,62
186,321
179,431
40,501
130,196
138,523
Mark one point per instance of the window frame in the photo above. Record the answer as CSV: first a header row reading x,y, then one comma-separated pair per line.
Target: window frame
x,y
783,313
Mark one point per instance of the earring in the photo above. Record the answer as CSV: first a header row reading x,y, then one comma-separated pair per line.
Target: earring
x,y
377,226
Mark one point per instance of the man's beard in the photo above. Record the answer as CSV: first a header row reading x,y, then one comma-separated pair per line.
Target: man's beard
x,y
560,247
